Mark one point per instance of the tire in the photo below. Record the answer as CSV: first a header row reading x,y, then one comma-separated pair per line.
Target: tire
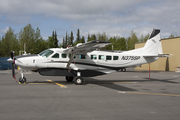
x,y
22,80
123,69
69,78
78,80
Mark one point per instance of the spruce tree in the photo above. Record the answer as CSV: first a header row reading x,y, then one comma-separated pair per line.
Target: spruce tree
x,y
72,38
55,40
78,36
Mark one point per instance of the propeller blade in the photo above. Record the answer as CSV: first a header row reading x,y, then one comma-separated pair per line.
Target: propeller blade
x,y
13,65
12,54
13,71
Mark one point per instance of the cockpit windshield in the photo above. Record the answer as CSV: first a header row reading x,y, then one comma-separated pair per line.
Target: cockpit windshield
x,y
46,53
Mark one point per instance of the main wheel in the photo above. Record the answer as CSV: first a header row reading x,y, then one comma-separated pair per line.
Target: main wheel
x,y
69,78
78,80
22,80
123,69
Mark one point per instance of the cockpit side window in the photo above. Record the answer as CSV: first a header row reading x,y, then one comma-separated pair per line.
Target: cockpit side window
x,y
55,55
46,53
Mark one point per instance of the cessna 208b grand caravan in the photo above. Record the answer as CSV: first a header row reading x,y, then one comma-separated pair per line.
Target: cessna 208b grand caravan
x,y
85,60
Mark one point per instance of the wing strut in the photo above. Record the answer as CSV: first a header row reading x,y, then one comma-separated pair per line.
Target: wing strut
x,y
70,60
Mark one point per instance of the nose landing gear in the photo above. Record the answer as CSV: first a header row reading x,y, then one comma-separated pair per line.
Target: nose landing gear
x,y
22,79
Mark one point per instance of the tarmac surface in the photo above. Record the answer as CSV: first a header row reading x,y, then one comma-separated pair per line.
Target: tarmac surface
x,y
122,95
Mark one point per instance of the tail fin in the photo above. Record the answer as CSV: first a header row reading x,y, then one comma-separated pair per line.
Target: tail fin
x,y
153,45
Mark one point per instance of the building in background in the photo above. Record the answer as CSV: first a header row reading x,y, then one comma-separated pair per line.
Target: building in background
x,y
169,46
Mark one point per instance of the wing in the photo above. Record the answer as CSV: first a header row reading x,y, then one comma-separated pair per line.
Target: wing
x,y
83,48
159,55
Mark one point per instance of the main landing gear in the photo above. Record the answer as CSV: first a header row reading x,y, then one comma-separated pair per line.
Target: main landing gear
x,y
69,78
123,69
77,80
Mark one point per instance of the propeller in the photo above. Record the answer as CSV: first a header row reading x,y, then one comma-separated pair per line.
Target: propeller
x,y
13,65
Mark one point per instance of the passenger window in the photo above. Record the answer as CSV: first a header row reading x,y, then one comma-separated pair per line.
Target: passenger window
x,y
55,55
101,57
70,56
82,56
94,57
108,57
115,57
63,55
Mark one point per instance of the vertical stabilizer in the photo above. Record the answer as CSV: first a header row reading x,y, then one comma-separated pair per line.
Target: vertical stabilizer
x,y
153,45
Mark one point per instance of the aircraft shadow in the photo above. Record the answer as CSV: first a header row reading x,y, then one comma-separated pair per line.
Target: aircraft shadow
x,y
164,80
110,83
107,83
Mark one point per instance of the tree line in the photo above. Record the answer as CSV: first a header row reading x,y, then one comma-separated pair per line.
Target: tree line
x,y
28,37
118,43
34,43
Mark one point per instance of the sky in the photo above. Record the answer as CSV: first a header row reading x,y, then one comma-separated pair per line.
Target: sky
x,y
114,17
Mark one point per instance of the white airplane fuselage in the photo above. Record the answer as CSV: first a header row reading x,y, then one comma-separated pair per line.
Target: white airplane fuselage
x,y
97,60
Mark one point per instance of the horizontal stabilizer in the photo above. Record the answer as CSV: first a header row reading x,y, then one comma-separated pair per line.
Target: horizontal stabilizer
x,y
159,55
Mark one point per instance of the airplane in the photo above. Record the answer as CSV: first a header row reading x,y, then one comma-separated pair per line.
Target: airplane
x,y
86,60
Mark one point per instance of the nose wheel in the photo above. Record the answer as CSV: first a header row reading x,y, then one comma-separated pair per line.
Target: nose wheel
x,y
22,80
